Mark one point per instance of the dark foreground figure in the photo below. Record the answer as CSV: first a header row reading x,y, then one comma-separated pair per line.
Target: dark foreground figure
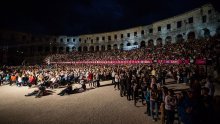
x,y
38,93
69,90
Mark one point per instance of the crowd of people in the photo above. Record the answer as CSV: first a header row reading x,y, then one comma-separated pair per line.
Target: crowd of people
x,y
48,77
135,81
146,81
193,106
195,49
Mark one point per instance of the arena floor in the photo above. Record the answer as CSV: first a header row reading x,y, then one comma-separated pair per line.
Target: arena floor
x,y
97,106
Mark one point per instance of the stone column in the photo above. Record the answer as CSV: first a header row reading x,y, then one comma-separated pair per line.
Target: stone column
x,y
155,42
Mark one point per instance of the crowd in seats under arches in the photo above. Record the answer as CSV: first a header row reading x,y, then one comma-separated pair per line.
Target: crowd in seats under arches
x,y
193,49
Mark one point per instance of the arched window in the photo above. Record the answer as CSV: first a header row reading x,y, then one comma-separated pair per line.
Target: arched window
x,y
191,36
85,48
143,44
206,32
73,48
128,44
102,48
97,48
121,46
135,43
150,42
115,46
109,47
67,49
159,42
80,49
179,38
91,48
168,40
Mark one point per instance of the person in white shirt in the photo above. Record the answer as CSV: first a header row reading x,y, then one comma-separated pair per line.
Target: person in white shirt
x,y
116,81
113,77
53,79
19,81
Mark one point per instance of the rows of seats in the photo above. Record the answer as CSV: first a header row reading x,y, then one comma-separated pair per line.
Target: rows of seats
x,y
196,49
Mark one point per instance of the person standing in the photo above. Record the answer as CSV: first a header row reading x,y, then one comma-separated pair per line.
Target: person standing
x,y
209,84
19,81
170,103
147,98
116,81
164,73
98,79
129,87
122,84
113,77
154,102
90,79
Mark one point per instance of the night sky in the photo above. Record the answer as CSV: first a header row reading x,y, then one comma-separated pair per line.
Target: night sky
x,y
74,17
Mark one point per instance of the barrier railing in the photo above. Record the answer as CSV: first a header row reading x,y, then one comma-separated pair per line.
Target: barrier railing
x,y
198,62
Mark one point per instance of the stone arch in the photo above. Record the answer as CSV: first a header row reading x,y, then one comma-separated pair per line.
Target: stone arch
x,y
159,42
150,42
80,49
191,36
103,48
121,46
168,40
67,49
128,44
91,48
179,38
97,48
109,47
115,46
73,48
206,33
143,44
135,43
85,48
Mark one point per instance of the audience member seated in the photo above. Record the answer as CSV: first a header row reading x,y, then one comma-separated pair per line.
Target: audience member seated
x,y
67,90
38,93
